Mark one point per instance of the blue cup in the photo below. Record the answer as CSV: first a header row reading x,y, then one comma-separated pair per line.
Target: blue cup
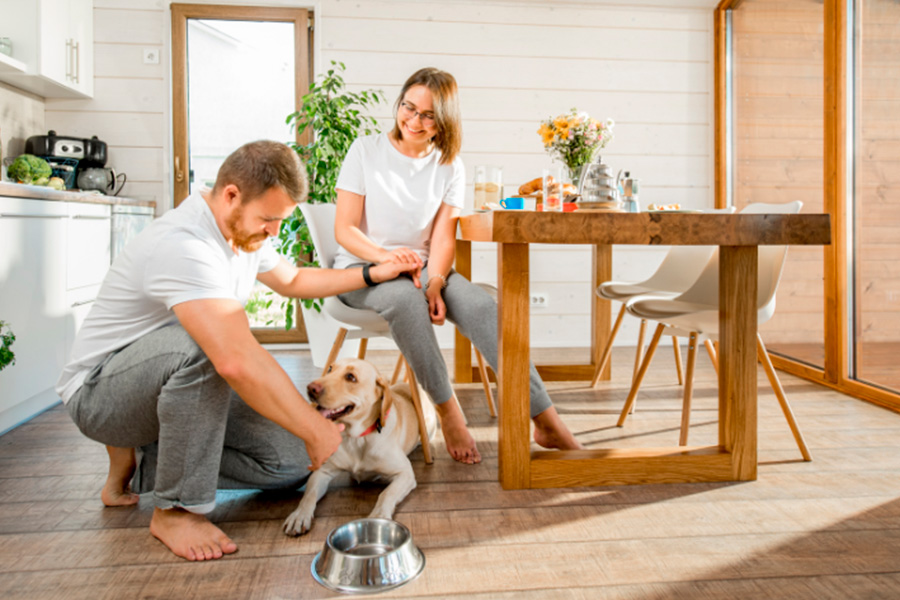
x,y
513,203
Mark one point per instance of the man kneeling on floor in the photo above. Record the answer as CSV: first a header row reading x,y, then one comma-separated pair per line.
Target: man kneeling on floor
x,y
166,363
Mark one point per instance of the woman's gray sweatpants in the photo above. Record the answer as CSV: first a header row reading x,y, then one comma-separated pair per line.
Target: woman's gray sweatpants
x,y
162,395
472,309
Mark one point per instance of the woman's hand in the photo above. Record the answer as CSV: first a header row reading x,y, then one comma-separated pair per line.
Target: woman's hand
x,y
437,310
408,259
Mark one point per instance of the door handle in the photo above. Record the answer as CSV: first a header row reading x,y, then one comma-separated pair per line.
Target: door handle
x,y
179,174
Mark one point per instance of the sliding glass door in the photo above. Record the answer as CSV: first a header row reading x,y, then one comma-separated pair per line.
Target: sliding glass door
x,y
875,259
777,148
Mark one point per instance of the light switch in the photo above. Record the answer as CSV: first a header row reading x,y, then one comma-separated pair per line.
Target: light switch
x,y
151,56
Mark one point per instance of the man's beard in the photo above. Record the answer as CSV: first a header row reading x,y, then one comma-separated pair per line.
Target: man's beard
x,y
248,242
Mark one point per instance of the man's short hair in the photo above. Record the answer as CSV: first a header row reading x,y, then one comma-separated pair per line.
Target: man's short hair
x,y
259,166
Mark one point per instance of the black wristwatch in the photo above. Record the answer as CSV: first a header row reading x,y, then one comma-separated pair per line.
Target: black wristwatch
x,y
366,277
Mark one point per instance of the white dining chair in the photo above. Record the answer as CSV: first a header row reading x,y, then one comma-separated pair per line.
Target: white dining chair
x,y
695,314
678,270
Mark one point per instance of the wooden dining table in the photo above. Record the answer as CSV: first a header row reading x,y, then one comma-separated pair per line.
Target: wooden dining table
x,y
734,458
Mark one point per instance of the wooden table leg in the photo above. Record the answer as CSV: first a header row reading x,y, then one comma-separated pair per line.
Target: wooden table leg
x,y
738,266
462,349
601,263
513,386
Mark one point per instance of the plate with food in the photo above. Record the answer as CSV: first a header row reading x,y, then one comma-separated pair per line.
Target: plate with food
x,y
670,208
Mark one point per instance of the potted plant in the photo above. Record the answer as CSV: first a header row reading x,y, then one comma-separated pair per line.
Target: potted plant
x,y
333,117
7,337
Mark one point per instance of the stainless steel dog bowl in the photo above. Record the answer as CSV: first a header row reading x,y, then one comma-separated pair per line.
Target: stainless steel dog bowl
x,y
368,556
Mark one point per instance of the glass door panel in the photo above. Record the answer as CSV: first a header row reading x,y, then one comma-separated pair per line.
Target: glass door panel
x,y
778,146
240,78
876,205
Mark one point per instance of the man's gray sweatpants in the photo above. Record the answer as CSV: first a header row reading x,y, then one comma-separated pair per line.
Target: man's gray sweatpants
x,y
162,395
472,309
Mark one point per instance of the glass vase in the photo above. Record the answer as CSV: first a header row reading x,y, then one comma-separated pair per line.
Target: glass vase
x,y
574,175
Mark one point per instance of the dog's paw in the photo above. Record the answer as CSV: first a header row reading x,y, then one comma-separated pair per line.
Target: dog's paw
x,y
381,513
298,523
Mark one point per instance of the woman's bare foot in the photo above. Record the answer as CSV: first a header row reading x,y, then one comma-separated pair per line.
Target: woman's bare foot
x,y
116,490
551,432
460,443
189,535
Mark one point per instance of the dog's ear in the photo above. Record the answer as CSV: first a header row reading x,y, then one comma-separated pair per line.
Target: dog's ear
x,y
387,399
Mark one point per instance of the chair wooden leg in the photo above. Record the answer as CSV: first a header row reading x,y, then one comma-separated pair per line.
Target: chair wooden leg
x,y
335,348
636,384
639,353
363,344
688,389
607,352
782,399
420,416
482,370
397,369
713,357
678,366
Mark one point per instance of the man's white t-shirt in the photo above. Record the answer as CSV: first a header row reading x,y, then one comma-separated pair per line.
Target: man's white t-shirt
x,y
403,194
179,257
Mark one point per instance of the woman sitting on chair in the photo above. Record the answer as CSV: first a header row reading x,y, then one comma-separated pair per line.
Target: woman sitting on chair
x,y
398,199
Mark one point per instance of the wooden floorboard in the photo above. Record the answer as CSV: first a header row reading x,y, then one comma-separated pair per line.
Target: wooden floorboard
x,y
826,529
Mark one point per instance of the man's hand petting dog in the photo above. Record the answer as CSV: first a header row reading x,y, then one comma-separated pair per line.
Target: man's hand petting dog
x,y
380,430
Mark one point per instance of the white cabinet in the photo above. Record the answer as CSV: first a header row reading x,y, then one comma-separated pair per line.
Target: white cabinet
x,y
53,257
54,41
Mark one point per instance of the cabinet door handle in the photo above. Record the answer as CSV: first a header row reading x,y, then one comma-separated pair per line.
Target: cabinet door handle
x,y
92,217
21,216
68,60
82,302
76,62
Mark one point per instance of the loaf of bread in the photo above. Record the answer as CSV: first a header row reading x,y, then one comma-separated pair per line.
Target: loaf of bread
x,y
531,187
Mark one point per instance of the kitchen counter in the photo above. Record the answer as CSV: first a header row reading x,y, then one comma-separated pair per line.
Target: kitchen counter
x,y
36,192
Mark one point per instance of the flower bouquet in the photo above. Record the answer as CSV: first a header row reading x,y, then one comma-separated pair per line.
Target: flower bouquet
x,y
575,138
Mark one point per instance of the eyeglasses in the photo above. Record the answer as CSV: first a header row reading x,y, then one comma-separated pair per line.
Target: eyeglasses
x,y
409,111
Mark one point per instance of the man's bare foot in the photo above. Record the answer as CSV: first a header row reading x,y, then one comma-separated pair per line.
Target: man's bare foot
x,y
189,535
460,443
116,490
551,432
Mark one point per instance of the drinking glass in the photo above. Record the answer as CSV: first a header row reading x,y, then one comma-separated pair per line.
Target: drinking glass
x,y
552,180
480,180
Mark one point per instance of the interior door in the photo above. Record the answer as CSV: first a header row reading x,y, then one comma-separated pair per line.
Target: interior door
x,y
237,73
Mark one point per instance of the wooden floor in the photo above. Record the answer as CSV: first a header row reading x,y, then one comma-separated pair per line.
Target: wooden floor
x,y
826,529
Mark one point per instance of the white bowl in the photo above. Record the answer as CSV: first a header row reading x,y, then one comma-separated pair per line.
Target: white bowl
x,y
368,556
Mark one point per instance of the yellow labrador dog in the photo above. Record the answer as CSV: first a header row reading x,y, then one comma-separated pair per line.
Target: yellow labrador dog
x,y
380,430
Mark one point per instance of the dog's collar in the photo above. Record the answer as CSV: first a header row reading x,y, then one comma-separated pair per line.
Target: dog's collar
x,y
376,426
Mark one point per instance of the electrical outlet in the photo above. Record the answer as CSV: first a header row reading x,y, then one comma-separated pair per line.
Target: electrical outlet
x,y
151,56
540,300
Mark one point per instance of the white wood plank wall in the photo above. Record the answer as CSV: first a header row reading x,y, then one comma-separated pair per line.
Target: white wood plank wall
x,y
647,65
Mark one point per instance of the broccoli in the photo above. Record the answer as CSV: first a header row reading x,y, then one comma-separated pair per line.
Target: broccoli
x,y
28,168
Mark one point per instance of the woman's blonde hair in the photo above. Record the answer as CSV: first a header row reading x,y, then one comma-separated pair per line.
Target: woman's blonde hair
x,y
442,85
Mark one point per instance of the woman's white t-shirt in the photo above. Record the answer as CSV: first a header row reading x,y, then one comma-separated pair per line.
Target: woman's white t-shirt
x,y
402,194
